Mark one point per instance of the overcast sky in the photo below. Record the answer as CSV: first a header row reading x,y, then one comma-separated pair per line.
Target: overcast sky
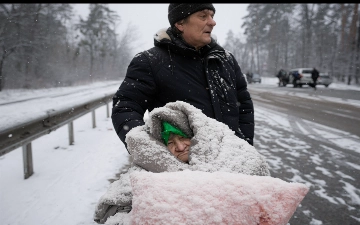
x,y
149,18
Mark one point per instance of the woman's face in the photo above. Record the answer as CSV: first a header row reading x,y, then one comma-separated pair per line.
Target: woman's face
x,y
179,146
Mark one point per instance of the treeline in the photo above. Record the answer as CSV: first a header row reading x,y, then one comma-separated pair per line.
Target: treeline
x,y
325,36
42,46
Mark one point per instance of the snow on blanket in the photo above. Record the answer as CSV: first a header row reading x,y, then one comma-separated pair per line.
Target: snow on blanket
x,y
196,197
214,146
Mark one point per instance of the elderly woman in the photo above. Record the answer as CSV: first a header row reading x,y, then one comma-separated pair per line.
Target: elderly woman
x,y
178,137
176,141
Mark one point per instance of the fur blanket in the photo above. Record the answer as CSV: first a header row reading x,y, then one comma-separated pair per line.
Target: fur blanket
x,y
214,148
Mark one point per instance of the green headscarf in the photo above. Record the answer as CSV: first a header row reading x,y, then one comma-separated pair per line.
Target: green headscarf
x,y
167,129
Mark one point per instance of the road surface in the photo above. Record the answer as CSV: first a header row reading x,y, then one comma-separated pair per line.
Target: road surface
x,y
312,137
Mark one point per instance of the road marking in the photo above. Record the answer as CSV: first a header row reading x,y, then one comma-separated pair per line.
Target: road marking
x,y
302,129
342,115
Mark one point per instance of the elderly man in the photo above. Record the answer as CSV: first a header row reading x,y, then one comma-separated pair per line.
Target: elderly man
x,y
186,64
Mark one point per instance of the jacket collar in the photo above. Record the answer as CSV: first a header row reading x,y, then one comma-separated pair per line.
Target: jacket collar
x,y
167,38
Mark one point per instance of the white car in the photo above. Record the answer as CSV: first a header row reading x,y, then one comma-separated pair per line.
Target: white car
x,y
324,79
305,74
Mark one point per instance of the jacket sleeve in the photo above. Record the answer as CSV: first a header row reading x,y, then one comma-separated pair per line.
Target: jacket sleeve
x,y
246,107
134,96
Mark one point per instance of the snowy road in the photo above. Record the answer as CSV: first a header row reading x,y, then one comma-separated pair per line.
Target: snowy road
x,y
319,107
302,144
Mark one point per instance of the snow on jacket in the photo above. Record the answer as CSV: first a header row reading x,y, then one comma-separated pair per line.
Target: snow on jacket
x,y
214,147
209,79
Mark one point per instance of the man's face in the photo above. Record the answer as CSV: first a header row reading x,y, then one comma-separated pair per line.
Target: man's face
x,y
179,146
197,29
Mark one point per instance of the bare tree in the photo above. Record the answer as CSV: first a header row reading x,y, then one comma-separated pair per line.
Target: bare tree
x,y
352,43
305,35
9,14
97,33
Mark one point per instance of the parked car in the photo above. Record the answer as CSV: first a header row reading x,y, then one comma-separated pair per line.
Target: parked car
x,y
324,79
256,78
305,76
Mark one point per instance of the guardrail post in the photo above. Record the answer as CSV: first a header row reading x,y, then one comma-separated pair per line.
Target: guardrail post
x,y
93,118
28,162
71,133
107,110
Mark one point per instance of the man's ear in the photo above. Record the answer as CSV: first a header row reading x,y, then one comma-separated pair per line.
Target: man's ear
x,y
179,25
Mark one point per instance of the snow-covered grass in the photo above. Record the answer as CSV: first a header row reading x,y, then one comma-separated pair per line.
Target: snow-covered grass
x,y
33,104
69,180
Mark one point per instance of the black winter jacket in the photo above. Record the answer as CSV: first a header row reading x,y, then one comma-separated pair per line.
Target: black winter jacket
x,y
209,79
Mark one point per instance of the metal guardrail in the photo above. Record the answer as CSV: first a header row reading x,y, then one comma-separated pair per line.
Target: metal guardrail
x,y
23,134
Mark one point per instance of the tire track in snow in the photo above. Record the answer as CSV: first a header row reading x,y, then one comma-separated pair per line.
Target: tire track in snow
x,y
298,152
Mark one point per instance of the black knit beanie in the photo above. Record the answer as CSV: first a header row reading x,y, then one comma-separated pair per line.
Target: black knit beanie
x,y
179,11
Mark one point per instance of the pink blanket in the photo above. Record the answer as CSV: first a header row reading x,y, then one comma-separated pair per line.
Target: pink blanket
x,y
194,197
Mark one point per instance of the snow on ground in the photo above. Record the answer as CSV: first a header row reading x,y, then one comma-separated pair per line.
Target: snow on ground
x,y
47,100
68,180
